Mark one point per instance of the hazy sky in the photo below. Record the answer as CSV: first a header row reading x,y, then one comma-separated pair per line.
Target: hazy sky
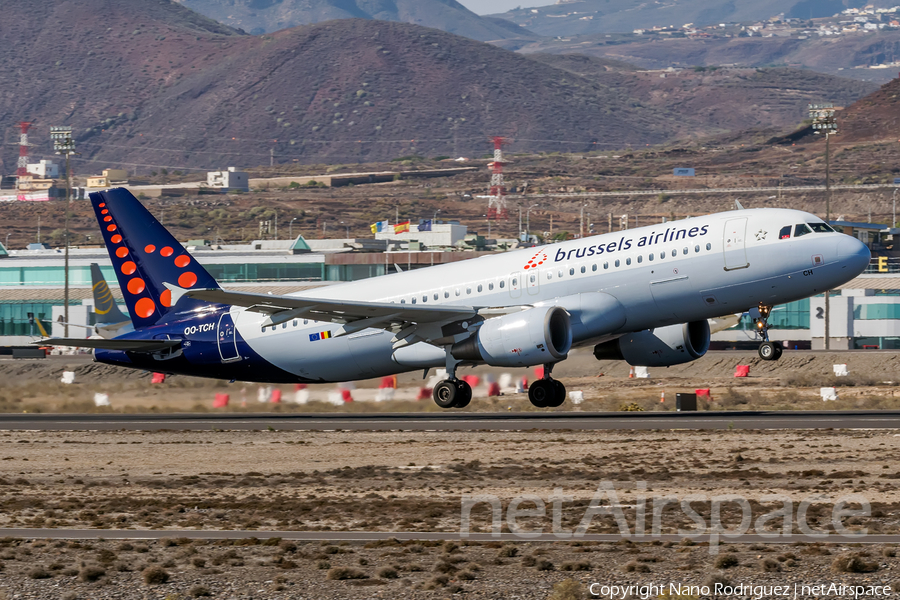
x,y
486,7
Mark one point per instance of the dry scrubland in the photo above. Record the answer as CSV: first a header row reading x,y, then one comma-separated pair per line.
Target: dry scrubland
x,y
790,384
401,481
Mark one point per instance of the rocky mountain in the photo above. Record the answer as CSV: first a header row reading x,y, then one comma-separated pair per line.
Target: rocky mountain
x,y
267,16
856,56
874,118
154,85
578,17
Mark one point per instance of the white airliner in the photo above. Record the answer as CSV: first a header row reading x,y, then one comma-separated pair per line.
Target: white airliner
x,y
643,295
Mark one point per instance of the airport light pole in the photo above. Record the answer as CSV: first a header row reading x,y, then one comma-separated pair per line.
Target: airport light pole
x,y
291,228
64,144
894,208
528,221
825,122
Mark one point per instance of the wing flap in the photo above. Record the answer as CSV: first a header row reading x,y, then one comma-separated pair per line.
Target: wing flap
x,y
336,311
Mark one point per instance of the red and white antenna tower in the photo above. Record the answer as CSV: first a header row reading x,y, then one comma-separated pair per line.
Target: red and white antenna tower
x,y
497,199
22,169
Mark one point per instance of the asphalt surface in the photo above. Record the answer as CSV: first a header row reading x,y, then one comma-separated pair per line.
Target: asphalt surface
x,y
456,421
369,536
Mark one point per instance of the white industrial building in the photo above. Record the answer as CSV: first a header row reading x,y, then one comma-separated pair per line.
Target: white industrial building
x,y
232,179
45,169
440,235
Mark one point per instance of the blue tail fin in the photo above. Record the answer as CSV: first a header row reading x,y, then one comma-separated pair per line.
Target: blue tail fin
x,y
145,255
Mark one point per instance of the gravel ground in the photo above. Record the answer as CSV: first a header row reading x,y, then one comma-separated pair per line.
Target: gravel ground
x,y
402,481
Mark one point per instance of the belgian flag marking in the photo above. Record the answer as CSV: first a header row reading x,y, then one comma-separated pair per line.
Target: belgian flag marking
x,y
323,335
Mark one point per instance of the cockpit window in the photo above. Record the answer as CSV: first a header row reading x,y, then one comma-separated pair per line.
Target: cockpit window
x,y
821,227
785,233
801,229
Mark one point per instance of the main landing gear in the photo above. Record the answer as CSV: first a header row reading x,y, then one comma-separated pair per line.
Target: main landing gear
x,y
767,350
547,392
452,392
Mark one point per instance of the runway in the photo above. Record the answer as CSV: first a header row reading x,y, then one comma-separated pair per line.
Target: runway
x,y
371,536
455,421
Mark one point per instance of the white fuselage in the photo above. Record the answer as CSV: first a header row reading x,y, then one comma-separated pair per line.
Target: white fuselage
x,y
663,274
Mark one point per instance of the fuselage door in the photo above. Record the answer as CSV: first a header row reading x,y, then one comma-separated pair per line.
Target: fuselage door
x,y
533,282
225,334
734,244
515,285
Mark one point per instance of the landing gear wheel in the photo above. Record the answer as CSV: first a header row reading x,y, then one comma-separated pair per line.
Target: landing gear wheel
x,y
542,392
767,351
779,349
446,394
559,394
463,394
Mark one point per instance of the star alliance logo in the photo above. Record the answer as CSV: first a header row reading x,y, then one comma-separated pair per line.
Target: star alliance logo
x,y
761,235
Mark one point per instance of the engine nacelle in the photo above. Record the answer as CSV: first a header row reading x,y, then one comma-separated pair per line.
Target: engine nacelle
x,y
532,337
660,347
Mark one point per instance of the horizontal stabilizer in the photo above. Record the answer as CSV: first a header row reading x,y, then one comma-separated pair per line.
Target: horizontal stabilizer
x,y
123,345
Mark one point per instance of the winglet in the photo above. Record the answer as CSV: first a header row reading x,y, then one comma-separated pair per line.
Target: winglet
x,y
738,205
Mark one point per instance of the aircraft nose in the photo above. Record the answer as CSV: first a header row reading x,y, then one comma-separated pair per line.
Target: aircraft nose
x,y
854,253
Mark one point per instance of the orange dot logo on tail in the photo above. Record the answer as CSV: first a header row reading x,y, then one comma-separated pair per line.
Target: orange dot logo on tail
x,y
136,285
182,261
166,298
122,252
149,248
129,267
111,227
187,279
167,251
116,239
145,308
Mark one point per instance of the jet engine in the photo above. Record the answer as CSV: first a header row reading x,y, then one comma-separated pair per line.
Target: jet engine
x,y
660,347
532,337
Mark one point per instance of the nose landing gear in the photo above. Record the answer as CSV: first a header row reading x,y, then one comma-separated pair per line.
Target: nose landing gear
x,y
768,350
547,392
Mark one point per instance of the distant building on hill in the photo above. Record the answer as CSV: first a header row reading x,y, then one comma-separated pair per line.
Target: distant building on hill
x,y
232,179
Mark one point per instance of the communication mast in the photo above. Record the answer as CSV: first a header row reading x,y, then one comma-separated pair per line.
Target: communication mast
x,y
22,169
497,199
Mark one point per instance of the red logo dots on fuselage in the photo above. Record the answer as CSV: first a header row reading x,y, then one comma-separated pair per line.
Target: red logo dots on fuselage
x,y
536,260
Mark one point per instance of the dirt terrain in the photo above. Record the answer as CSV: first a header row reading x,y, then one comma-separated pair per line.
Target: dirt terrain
x,y
402,481
793,383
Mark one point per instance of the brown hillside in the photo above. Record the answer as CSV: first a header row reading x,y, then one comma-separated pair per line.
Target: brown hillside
x,y
155,85
729,99
875,117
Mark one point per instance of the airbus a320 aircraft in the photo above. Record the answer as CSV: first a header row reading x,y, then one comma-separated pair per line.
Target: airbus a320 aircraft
x,y
643,295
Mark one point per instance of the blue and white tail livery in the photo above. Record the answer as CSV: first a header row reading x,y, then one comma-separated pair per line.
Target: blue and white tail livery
x,y
643,295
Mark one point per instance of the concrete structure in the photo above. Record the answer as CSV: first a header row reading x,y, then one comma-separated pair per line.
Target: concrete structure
x,y
232,179
109,178
45,169
442,235
33,183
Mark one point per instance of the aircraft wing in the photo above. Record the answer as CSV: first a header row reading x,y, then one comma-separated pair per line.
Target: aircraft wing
x,y
285,308
124,345
410,323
